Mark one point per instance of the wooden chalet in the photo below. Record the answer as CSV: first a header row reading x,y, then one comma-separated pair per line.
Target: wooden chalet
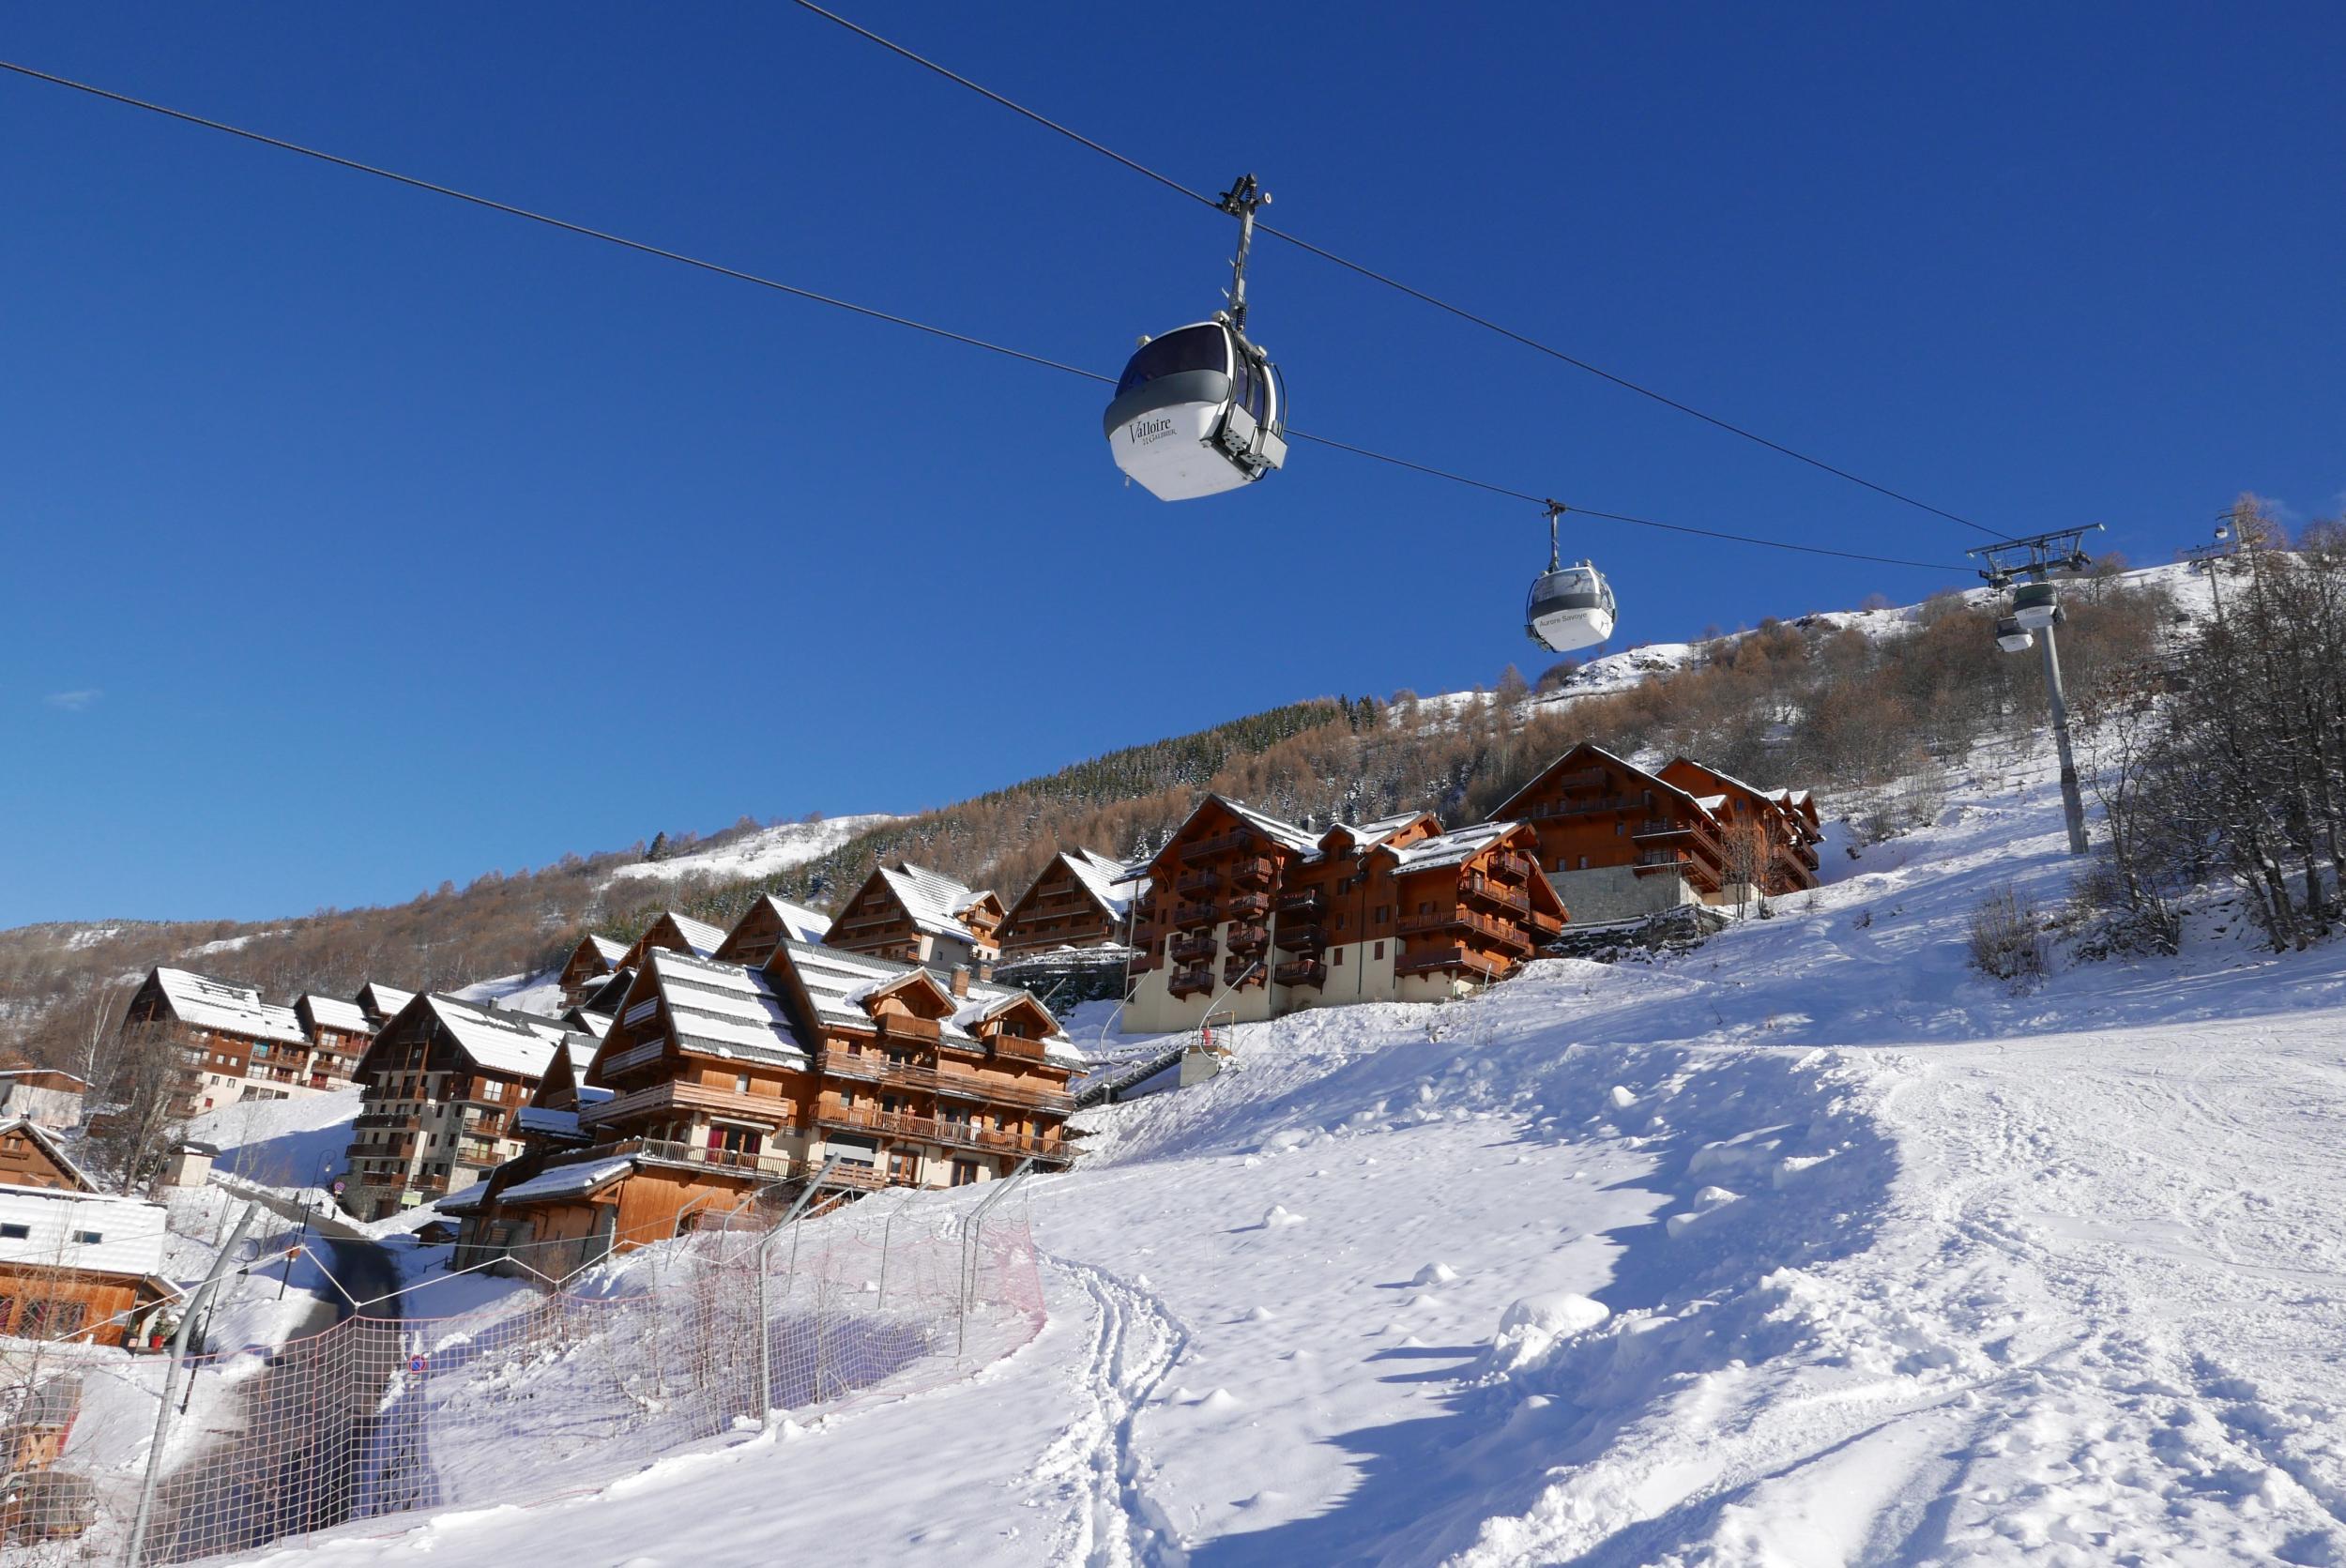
x,y
673,932
75,1263
1079,900
726,1079
232,1044
1250,917
337,1031
765,925
913,915
589,963
1783,821
41,1095
381,1003
443,1081
1621,843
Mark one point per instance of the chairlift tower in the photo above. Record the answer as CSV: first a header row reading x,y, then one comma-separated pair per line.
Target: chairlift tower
x,y
2035,557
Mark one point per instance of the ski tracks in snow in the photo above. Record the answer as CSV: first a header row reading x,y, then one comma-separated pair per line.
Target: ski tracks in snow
x,y
1097,1471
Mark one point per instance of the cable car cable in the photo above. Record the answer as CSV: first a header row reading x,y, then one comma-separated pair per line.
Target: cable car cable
x,y
1392,282
552,222
721,270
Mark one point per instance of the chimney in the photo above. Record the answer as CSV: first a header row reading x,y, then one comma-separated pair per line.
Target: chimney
x,y
961,979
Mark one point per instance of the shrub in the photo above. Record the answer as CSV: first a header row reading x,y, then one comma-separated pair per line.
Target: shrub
x,y
2008,940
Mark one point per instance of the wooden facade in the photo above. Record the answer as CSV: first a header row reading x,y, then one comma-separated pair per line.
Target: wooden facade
x,y
589,963
338,1035
444,1082
75,1263
1079,900
767,924
912,915
1248,917
232,1045
1783,825
1619,842
722,1079
672,933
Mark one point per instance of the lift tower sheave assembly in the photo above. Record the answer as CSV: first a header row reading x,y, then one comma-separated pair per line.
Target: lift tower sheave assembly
x,y
2035,607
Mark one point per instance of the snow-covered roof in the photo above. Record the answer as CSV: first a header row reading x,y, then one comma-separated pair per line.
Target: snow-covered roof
x,y
463,1202
332,1012
837,983
1590,747
386,999
609,995
726,1010
610,949
1447,850
798,922
933,901
57,1221
1285,833
1376,832
51,1147
1103,880
702,937
578,1181
595,1025
204,1003
498,1040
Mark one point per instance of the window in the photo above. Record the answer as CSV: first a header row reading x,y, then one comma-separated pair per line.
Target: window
x,y
1620,827
740,1083
1584,863
66,1318
846,1098
88,1238
1380,914
737,1140
1336,961
33,1324
1380,953
15,1232
904,1166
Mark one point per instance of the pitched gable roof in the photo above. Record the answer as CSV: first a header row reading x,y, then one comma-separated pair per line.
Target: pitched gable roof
x,y
490,1038
726,1010
934,902
383,1001
51,1148
1103,879
1587,748
204,1003
332,1012
836,985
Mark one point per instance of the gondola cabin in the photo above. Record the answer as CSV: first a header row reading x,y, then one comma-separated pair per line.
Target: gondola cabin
x,y
2012,636
1196,412
2036,605
1568,608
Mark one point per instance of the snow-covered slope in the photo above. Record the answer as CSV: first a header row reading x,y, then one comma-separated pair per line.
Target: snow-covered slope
x,y
758,854
1807,1247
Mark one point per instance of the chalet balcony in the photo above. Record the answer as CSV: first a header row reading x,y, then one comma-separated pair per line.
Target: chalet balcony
x,y
675,1097
1301,971
1298,939
1248,941
1655,830
1256,868
1488,891
1189,916
641,1054
1191,950
1220,843
388,1120
904,1026
1248,906
1512,865
1309,903
1437,960
955,1086
1200,881
1242,973
1190,982
1551,810
938,1130
1508,934
1588,778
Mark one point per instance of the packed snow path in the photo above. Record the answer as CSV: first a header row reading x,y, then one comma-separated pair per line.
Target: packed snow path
x,y
1808,1247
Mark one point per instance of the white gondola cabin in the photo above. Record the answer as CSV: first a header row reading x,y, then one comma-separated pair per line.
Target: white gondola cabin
x,y
2012,636
1196,412
2036,605
1569,607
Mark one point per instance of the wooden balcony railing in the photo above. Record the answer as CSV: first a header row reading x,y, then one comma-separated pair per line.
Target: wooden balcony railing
x,y
642,1054
1435,959
1301,971
923,1129
1189,982
1203,881
1247,906
1477,886
1190,950
1258,869
1308,903
1296,938
1188,915
1220,843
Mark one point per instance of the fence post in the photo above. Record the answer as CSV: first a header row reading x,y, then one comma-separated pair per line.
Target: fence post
x,y
201,1297
973,1231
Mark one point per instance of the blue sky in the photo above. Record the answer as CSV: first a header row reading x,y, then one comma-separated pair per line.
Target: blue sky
x,y
357,539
